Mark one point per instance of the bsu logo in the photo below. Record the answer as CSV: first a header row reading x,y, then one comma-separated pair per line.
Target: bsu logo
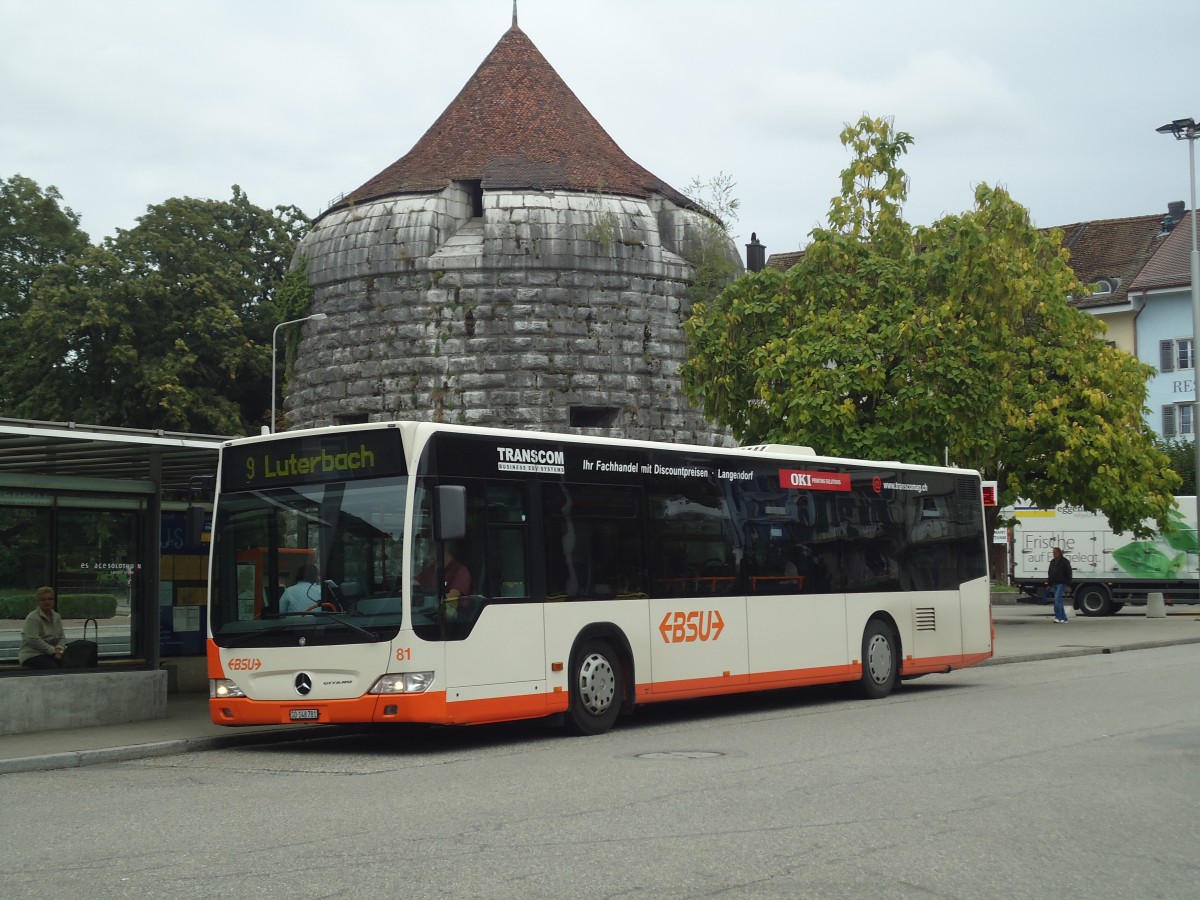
x,y
698,625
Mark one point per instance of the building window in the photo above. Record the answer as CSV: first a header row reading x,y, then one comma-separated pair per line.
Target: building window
x,y
1175,355
593,417
1102,286
1177,419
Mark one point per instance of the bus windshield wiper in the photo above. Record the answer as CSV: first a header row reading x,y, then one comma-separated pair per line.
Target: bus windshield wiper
x,y
337,618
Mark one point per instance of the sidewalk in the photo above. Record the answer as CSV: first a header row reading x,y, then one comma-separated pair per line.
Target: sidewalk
x,y
1024,632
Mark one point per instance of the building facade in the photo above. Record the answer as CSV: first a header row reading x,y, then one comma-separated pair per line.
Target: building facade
x,y
1141,289
514,269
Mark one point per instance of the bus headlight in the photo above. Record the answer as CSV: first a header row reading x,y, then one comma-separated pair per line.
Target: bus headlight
x,y
223,689
403,683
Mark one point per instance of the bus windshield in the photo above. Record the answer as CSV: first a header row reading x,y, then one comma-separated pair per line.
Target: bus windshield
x,y
321,561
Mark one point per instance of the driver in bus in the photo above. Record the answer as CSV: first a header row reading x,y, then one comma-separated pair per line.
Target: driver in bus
x,y
305,595
456,582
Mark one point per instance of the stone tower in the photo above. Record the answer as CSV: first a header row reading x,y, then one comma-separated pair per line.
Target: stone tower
x,y
514,269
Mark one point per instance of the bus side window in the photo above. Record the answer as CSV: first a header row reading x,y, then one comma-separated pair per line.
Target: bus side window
x,y
692,549
593,536
506,564
507,552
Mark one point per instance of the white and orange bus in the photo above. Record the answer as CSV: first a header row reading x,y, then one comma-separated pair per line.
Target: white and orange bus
x,y
481,575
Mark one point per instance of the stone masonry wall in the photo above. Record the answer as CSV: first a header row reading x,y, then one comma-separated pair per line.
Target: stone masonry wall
x,y
549,301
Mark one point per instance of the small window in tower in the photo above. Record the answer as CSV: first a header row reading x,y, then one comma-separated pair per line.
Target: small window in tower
x,y
593,416
475,192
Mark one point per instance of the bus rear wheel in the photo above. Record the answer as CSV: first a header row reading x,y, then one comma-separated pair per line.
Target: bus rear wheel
x,y
880,661
596,689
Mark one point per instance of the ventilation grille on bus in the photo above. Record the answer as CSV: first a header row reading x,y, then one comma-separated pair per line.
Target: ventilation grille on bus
x,y
967,490
925,618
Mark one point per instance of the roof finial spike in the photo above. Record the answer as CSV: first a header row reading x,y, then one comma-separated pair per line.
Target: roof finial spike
x,y
514,13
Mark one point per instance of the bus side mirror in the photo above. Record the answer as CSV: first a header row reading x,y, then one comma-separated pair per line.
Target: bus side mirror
x,y
199,487
193,525
449,512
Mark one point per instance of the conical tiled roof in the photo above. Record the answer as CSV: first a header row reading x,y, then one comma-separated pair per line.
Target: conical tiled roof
x,y
515,124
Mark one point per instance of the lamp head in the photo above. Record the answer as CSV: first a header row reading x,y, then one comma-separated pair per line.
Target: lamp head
x,y
1183,129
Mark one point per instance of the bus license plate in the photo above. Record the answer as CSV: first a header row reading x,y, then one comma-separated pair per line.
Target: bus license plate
x,y
305,715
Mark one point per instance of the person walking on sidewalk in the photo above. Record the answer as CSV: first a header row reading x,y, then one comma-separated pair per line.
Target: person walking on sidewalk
x,y
1059,577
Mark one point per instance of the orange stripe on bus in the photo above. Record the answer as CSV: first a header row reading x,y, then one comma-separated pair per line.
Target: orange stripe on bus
x,y
707,687
930,664
437,707
432,707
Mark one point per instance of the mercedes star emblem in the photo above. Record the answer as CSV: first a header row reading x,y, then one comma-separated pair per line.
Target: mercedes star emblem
x,y
303,683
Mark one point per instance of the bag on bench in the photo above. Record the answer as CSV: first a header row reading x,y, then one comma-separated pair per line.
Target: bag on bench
x,y
83,654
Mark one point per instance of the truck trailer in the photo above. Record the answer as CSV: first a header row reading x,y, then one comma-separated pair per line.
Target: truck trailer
x,y
1109,569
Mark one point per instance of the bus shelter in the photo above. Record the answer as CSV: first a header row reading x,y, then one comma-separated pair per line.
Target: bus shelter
x,y
97,513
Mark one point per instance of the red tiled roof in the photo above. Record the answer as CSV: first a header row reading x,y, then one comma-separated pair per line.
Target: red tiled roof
x,y
1171,266
515,124
1112,249
784,261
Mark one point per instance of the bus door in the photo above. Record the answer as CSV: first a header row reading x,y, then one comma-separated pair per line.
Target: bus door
x,y
698,634
493,633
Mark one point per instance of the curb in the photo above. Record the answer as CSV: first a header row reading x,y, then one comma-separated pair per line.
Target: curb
x,y
78,758
1087,651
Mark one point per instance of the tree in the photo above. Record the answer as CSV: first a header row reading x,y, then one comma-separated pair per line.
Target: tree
x,y
948,342
167,325
36,232
709,250
1182,459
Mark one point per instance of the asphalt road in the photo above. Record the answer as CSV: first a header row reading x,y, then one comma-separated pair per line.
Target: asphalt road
x,y
1058,778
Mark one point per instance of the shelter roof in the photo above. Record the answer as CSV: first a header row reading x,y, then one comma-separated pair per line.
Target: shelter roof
x,y
515,124
70,450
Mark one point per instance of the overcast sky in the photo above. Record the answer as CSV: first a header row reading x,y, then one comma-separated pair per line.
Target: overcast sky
x,y
122,104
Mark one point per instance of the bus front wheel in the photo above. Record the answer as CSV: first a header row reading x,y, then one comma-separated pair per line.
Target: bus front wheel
x,y
880,661
596,689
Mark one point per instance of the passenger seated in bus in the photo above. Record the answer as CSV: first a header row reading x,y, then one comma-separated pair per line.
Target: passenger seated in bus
x,y
456,583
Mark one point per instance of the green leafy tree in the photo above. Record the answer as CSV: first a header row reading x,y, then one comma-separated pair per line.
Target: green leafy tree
x,y
36,232
1182,459
167,325
948,342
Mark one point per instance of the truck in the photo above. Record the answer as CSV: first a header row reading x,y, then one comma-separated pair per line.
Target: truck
x,y
1109,569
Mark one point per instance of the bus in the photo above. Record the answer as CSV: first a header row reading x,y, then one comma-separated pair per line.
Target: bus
x,y
471,575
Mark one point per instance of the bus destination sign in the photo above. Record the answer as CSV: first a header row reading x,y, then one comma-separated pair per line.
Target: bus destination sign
x,y
313,459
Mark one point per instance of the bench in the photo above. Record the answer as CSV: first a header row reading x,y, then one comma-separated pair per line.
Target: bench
x,y
47,701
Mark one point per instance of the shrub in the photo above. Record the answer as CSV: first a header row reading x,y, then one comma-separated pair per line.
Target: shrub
x,y
70,606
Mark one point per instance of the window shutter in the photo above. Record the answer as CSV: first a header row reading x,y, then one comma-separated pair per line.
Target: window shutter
x,y
1168,421
1166,356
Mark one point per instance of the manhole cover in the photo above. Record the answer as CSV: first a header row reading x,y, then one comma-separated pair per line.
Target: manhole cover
x,y
680,754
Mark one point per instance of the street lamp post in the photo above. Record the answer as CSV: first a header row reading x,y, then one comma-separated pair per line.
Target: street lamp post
x,y
1188,130
315,317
